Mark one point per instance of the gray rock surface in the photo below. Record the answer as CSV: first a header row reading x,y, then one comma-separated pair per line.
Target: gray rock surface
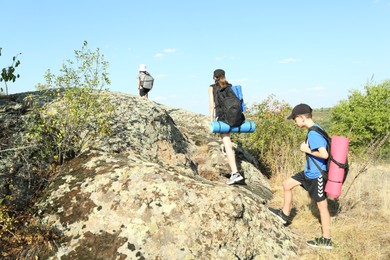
x,y
155,189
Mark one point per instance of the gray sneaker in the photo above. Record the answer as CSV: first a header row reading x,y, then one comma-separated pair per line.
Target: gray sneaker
x,y
281,216
321,242
234,178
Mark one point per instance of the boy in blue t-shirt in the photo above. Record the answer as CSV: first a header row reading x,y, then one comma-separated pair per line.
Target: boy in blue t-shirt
x,y
311,178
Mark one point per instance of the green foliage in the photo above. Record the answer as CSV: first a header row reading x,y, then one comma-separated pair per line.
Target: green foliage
x,y
89,70
364,117
70,125
8,74
8,225
79,113
322,117
7,221
20,232
276,139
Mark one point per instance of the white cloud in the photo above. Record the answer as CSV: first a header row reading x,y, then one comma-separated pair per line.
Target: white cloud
x,y
159,55
289,60
163,54
317,88
169,50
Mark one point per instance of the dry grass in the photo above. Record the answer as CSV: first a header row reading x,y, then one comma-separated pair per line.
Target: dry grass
x,y
360,219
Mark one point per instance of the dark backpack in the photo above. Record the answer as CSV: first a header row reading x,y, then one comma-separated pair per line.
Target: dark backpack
x,y
230,107
324,134
146,80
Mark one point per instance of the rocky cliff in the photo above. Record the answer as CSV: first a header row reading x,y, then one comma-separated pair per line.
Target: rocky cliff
x,y
155,189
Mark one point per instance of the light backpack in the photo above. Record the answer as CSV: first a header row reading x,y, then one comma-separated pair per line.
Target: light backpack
x,y
146,81
230,107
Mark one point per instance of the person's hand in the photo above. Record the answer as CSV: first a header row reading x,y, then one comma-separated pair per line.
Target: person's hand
x,y
305,147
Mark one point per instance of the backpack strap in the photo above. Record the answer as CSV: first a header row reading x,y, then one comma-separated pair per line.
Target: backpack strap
x,y
328,140
321,132
231,128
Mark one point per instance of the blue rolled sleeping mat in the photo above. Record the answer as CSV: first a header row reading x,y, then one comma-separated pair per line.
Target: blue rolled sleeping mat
x,y
221,127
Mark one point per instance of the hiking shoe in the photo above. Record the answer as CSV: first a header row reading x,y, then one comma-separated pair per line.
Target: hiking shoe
x,y
234,178
321,242
281,216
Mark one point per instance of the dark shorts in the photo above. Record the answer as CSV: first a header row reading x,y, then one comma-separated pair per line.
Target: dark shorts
x,y
315,187
143,91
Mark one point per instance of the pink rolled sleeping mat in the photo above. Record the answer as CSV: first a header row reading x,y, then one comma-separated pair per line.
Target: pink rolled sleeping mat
x,y
339,152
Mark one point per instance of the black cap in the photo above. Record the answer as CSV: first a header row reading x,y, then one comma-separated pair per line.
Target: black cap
x,y
219,73
300,109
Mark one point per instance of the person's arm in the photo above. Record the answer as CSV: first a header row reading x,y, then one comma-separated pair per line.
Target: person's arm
x,y
319,153
139,82
211,103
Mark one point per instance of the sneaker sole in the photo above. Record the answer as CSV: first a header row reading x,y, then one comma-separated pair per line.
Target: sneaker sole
x,y
230,182
317,246
279,217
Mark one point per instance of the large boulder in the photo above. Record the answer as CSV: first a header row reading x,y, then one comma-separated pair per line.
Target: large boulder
x,y
155,189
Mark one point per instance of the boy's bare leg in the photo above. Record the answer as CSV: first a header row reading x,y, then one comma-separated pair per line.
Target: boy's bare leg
x,y
288,185
325,217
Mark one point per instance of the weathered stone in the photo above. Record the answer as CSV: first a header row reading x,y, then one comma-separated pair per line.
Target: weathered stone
x,y
155,189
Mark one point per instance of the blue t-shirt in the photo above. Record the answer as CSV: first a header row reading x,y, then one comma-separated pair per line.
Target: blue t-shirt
x,y
315,141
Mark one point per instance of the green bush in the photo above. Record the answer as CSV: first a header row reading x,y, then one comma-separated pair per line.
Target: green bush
x,y
80,111
66,118
364,117
70,125
276,140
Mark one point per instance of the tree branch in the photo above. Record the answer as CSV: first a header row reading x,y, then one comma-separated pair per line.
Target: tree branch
x,y
19,148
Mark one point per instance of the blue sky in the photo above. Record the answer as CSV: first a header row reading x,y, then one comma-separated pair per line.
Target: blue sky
x,y
301,51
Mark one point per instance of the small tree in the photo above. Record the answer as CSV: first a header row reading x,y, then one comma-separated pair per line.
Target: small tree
x,y
80,112
89,70
8,74
364,117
